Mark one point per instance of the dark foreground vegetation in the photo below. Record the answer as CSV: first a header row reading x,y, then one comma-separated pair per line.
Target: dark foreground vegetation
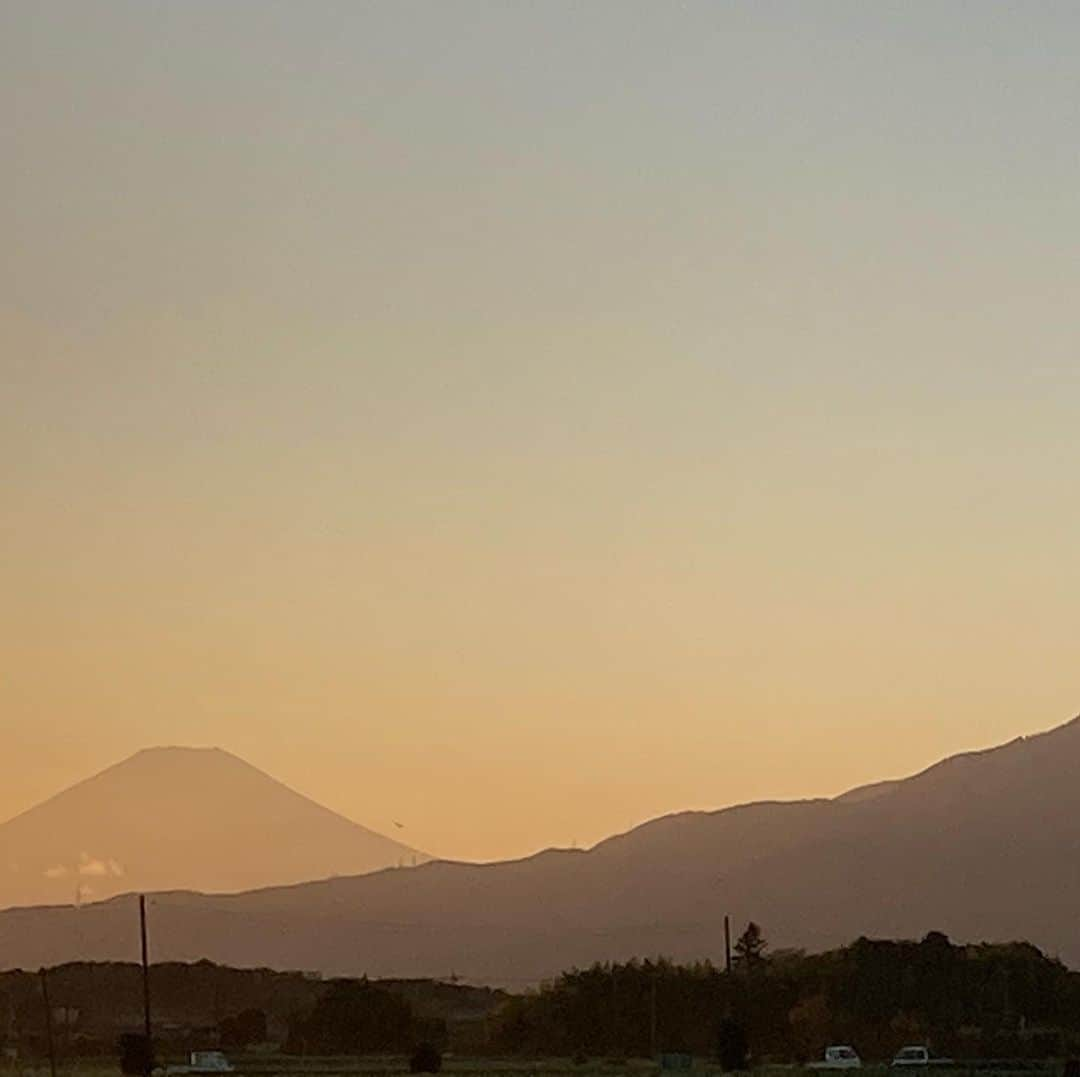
x,y
966,1002
204,1006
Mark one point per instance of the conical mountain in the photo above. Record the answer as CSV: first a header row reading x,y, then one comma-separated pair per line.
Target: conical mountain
x,y
180,818
982,846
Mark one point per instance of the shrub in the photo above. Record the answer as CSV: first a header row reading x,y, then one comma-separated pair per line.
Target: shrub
x,y
425,1059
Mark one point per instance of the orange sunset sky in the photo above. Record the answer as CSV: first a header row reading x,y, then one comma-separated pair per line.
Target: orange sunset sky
x,y
520,420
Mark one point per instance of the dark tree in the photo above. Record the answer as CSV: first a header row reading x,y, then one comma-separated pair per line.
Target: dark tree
x,y
750,947
244,1029
731,1045
354,1017
425,1059
135,1056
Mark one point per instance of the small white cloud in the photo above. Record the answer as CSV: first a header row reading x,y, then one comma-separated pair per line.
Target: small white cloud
x,y
94,868
58,871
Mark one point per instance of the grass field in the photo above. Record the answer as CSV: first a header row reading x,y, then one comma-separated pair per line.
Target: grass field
x,y
378,1065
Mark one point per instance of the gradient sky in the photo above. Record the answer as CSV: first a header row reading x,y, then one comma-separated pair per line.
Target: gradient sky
x,y
521,419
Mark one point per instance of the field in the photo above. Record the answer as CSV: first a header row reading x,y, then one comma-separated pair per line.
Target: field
x,y
379,1065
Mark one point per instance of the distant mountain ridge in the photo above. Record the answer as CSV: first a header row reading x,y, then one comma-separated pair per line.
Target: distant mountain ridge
x,y
983,846
191,818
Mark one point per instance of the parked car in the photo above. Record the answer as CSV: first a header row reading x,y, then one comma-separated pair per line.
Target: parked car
x,y
912,1056
838,1057
917,1055
202,1062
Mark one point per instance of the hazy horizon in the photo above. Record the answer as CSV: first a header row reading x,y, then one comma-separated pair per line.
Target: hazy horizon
x,y
392,827
521,421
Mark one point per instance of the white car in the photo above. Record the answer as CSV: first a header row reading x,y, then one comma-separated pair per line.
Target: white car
x,y
912,1056
202,1062
838,1057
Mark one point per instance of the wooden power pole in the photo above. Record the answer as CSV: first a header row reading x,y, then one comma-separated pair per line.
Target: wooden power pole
x,y
727,944
148,1064
49,1039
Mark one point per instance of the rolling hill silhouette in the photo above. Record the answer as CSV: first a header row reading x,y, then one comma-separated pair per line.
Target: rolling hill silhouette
x,y
982,846
179,817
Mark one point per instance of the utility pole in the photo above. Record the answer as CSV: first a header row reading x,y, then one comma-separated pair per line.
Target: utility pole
x,y
48,1021
148,1064
727,945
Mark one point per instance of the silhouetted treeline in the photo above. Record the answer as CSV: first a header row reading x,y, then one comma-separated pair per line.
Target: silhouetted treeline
x,y
353,1017
203,1006
979,1001
983,1001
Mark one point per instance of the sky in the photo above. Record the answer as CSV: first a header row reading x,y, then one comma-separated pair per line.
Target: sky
x,y
520,420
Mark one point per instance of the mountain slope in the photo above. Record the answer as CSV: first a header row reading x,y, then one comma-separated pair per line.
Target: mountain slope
x,y
180,817
982,846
